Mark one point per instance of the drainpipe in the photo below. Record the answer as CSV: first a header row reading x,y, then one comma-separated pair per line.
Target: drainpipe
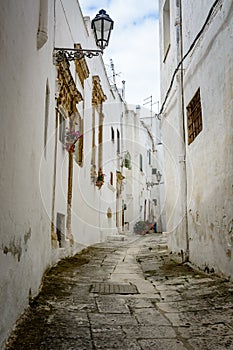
x,y
184,177
69,198
53,233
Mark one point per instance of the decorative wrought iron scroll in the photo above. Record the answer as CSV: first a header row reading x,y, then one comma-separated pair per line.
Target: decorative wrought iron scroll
x,y
61,54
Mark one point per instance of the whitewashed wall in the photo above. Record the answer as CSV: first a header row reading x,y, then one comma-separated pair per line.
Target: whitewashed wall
x,y
24,216
27,179
209,156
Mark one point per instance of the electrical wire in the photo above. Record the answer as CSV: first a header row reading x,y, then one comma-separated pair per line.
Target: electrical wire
x,y
187,53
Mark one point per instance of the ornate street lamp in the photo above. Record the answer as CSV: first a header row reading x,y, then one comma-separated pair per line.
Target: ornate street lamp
x,y
102,26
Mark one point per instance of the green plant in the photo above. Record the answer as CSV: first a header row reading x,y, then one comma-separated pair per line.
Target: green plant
x,y
139,226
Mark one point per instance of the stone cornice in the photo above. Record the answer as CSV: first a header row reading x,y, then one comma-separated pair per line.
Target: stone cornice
x,y
98,95
81,67
68,94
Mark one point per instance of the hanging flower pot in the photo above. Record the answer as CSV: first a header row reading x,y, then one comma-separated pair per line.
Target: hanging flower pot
x,y
100,180
99,184
71,137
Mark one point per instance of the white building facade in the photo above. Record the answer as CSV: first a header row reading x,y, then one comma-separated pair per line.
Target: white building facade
x,y
56,197
196,116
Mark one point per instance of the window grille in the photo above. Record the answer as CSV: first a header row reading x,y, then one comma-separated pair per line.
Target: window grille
x,y
112,134
141,165
194,117
111,178
118,141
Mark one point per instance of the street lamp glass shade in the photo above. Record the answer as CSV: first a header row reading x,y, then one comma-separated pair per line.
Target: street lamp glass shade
x,y
102,25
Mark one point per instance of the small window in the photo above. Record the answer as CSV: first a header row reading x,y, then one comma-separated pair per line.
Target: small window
x,y
166,28
154,171
47,100
112,134
194,117
42,34
118,141
149,157
111,178
141,167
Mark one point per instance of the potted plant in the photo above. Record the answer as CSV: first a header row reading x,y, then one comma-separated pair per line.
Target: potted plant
x,y
71,137
100,180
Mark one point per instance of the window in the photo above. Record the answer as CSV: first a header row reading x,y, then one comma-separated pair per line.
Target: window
x,y
118,141
149,157
112,134
194,117
141,167
42,34
47,98
154,171
111,178
79,143
166,28
62,128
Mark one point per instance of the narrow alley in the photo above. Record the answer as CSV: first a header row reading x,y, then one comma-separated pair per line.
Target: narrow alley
x,y
131,295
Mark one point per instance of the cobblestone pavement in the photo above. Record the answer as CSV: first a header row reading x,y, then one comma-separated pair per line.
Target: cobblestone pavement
x,y
130,295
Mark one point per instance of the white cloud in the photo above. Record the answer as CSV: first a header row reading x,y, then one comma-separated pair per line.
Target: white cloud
x,y
134,45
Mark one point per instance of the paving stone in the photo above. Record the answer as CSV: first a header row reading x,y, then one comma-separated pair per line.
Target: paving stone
x,y
213,316
107,329
166,287
201,280
116,344
97,319
109,304
174,308
151,266
65,344
215,343
181,319
126,268
197,292
215,330
170,295
183,305
126,277
68,331
149,332
104,335
69,318
177,281
147,316
162,344
142,303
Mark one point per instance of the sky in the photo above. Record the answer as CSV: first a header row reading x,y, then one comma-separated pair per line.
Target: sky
x,y
133,46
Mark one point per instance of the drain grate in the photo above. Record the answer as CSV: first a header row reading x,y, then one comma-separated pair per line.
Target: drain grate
x,y
111,288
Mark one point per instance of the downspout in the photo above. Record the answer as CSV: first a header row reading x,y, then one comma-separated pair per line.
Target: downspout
x,y
54,237
69,198
53,233
185,184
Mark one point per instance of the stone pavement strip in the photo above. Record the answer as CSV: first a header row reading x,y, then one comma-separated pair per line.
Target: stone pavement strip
x,y
130,295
